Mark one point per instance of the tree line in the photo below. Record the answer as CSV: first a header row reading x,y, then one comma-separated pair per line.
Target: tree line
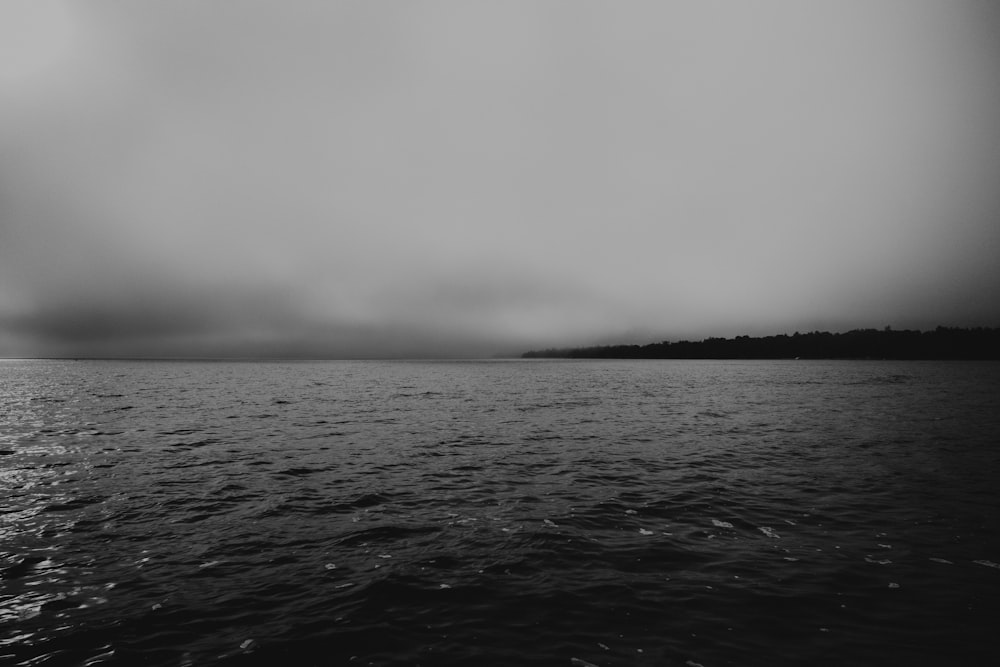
x,y
941,343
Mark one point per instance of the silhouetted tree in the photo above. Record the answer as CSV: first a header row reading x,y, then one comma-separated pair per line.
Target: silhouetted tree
x,y
942,343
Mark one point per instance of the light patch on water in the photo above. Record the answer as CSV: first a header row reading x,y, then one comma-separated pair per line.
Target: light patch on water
x,y
768,531
99,659
987,563
884,561
721,524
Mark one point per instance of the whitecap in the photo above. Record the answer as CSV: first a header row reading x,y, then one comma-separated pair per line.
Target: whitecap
x,y
768,531
721,524
987,563
643,531
941,560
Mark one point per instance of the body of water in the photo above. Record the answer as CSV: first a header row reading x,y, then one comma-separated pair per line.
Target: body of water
x,y
499,513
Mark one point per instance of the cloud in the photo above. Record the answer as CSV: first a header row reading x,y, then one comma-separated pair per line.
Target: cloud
x,y
360,180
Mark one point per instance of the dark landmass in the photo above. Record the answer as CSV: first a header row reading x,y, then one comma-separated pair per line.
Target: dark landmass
x,y
941,343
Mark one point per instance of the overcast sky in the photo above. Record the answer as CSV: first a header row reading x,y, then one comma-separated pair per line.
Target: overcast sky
x,y
477,177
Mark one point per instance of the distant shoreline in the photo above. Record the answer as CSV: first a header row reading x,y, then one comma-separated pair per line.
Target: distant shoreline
x,y
942,343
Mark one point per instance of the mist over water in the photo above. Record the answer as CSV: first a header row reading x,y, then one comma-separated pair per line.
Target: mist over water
x,y
498,513
347,180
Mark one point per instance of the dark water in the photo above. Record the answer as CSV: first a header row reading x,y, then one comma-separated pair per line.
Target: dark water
x,y
499,513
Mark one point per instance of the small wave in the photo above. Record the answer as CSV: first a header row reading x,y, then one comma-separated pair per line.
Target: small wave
x,y
21,568
297,472
197,443
383,534
74,504
366,500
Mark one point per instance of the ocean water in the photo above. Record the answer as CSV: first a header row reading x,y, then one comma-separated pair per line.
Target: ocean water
x,y
499,513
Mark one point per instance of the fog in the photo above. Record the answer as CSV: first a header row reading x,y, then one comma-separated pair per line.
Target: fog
x,y
357,179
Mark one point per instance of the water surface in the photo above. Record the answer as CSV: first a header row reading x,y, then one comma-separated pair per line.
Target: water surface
x,y
499,512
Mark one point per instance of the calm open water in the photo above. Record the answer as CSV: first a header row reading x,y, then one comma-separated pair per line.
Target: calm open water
x,y
499,513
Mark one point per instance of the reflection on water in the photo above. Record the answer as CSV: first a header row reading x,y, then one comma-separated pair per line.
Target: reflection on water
x,y
529,512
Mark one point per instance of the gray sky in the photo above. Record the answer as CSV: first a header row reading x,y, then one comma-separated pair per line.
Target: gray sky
x,y
464,178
